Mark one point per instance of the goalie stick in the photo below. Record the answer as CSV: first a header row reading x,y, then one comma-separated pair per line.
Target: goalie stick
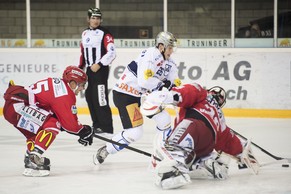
x,y
262,149
127,147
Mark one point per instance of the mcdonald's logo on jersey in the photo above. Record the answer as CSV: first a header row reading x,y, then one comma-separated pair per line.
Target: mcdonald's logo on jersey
x,y
45,137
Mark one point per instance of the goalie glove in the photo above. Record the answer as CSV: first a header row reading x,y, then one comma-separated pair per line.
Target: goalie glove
x,y
86,135
247,158
155,102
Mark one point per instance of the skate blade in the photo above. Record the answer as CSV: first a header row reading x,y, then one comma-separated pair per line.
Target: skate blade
x,y
95,161
35,173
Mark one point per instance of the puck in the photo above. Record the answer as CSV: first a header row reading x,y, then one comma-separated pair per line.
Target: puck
x,y
285,165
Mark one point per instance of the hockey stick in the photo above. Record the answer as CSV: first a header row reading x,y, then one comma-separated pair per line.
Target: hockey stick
x,y
127,147
262,149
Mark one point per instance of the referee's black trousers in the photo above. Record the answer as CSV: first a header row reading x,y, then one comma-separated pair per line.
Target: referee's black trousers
x,y
97,99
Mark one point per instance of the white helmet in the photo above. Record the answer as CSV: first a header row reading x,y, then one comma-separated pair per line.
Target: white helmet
x,y
219,94
166,38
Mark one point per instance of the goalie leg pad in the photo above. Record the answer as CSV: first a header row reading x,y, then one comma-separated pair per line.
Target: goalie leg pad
x,y
172,180
163,123
166,165
163,120
169,154
209,168
168,172
218,170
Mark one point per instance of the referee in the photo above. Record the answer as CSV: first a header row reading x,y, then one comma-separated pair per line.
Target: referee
x,y
97,53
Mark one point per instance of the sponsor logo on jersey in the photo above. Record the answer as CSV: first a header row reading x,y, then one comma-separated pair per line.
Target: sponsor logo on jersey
x,y
74,109
57,80
128,89
28,125
148,73
34,114
167,69
160,71
30,145
31,127
43,134
59,89
135,116
23,123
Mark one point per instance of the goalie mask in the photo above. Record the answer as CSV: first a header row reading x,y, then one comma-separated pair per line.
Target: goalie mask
x,y
166,38
218,94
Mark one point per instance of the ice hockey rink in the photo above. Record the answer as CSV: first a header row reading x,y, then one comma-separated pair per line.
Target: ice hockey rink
x,y
128,172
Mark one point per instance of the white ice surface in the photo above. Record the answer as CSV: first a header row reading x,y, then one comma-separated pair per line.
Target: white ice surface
x,y
127,172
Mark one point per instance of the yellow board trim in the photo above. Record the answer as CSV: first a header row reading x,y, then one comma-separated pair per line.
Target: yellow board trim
x,y
228,112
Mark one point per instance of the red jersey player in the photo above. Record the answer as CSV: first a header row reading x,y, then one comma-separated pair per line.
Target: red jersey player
x,y
41,110
199,129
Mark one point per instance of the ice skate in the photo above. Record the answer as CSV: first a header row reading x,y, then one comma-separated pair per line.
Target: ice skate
x,y
97,130
101,155
36,166
100,132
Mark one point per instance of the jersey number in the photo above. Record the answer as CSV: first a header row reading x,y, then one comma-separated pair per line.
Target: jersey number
x,y
210,111
40,86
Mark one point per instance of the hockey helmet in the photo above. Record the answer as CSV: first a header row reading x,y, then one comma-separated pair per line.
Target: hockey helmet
x,y
218,94
73,73
166,38
94,12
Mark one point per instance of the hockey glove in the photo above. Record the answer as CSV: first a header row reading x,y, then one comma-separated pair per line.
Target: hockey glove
x,y
166,84
86,136
155,102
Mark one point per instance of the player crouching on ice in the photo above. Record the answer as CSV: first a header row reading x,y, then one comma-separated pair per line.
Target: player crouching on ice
x,y
200,132
41,110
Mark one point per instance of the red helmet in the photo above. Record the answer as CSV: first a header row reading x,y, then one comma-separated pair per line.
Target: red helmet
x,y
73,73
